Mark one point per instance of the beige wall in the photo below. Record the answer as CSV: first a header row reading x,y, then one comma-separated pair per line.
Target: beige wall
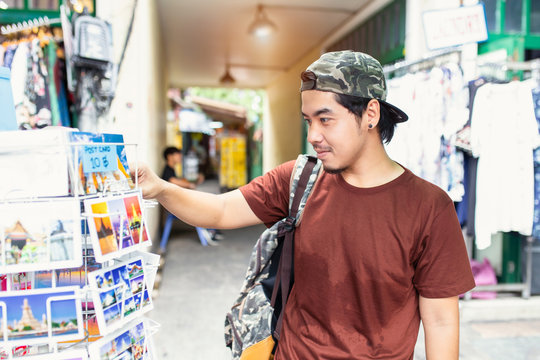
x,y
283,115
139,108
283,119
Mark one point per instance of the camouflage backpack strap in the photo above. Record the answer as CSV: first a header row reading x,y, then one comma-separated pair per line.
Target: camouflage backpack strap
x,y
303,179
301,195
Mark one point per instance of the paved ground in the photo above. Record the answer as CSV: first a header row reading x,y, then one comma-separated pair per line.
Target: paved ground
x,y
199,284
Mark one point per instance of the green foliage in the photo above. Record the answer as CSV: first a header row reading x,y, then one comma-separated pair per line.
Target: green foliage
x,y
251,100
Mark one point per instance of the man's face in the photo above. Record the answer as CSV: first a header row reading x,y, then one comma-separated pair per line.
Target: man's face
x,y
176,158
334,132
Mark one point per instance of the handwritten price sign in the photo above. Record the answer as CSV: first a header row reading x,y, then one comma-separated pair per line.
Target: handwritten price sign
x,y
99,158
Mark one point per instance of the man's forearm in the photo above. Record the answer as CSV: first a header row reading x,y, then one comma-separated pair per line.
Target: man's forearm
x,y
440,318
223,211
182,182
194,207
442,341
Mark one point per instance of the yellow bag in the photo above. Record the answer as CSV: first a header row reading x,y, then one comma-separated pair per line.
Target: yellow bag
x,y
259,351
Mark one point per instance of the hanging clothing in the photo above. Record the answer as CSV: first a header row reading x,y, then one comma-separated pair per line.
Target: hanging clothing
x,y
466,208
503,135
39,91
19,71
50,61
61,92
436,102
37,79
2,52
536,219
9,54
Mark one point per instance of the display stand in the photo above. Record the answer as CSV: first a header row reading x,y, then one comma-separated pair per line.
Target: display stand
x,y
84,295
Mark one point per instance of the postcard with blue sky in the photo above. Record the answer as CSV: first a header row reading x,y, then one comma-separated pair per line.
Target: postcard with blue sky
x,y
120,294
28,321
116,225
116,176
133,343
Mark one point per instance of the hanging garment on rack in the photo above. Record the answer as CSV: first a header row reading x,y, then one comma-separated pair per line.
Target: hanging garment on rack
x,y
436,102
8,55
19,73
536,221
50,60
503,120
39,91
2,52
37,83
465,209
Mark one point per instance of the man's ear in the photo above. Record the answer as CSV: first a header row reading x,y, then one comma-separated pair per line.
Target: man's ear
x,y
373,113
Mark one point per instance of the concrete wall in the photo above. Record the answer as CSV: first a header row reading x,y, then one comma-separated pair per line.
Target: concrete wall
x,y
283,115
139,108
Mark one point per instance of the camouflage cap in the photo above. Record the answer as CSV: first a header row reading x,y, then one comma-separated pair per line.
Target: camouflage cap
x,y
350,73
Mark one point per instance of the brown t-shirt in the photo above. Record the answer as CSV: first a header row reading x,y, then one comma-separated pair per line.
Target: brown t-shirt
x,y
362,256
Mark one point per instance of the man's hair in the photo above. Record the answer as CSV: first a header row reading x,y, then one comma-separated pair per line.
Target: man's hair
x,y
170,151
357,105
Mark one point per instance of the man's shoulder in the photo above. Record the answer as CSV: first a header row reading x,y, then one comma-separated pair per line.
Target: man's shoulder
x,y
427,191
285,169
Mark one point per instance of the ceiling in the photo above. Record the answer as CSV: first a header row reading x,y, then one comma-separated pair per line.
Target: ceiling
x,y
202,36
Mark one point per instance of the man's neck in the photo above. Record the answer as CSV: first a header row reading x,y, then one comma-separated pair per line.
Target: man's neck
x,y
375,168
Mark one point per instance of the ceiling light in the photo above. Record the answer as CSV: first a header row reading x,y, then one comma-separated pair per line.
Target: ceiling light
x,y
227,78
261,26
3,5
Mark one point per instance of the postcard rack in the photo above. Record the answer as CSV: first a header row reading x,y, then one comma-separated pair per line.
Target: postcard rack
x,y
84,295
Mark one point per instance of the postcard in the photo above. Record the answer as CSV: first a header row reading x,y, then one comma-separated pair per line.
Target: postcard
x,y
116,225
22,350
30,314
132,342
151,265
34,163
39,236
110,177
61,355
17,281
120,293
71,276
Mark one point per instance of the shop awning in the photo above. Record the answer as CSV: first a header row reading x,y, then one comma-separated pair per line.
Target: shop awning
x,y
228,114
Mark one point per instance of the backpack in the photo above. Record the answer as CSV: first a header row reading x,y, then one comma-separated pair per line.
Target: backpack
x,y
253,324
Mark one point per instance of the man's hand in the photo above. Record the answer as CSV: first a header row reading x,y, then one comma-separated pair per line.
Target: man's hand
x,y
200,179
150,184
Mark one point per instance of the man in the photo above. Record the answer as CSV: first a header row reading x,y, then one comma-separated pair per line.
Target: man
x,y
173,157
378,248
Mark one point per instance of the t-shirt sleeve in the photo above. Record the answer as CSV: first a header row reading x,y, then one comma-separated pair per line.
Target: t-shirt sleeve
x,y
443,268
168,173
268,195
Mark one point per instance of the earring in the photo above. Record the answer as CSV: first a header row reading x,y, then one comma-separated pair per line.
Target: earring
x,y
370,126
